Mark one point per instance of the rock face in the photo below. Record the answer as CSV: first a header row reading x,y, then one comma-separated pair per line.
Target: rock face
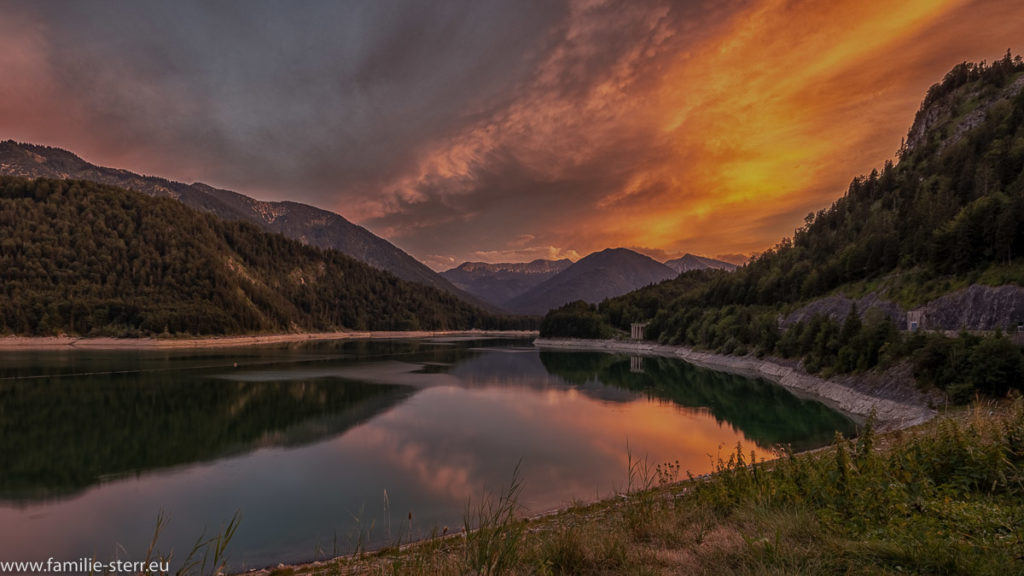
x,y
302,222
940,111
499,283
976,308
600,275
691,262
838,307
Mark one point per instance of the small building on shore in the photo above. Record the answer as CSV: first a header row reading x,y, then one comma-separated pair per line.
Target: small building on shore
x,y
915,320
636,330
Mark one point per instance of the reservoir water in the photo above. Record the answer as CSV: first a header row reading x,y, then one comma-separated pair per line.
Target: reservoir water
x,y
324,446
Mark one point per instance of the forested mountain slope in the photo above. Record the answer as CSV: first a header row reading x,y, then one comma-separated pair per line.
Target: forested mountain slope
x,y
948,215
88,259
302,222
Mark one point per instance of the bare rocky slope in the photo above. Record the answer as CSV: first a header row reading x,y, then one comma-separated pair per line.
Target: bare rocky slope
x,y
975,308
689,262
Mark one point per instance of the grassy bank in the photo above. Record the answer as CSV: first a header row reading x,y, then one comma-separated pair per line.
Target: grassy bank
x,y
943,498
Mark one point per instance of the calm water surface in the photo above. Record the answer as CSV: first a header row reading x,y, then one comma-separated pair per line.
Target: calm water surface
x,y
320,446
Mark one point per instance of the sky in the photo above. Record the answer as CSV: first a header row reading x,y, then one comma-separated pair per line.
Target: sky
x,y
499,131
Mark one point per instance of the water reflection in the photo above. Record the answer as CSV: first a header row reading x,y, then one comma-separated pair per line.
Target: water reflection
x,y
766,413
307,440
71,419
56,441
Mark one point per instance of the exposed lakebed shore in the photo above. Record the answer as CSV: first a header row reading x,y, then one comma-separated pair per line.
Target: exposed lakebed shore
x,y
9,343
892,396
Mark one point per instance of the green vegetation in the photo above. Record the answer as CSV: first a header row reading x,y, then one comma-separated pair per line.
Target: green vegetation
x,y
86,259
949,214
944,499
967,365
576,320
494,535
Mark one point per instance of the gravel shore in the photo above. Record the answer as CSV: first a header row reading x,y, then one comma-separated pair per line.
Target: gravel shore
x,y
9,343
897,403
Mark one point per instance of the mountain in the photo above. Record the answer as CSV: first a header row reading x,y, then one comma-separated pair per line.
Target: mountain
x,y
302,222
938,235
600,275
499,283
88,259
502,284
690,262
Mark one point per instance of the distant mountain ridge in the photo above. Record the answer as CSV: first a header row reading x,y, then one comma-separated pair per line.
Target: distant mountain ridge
x,y
302,222
499,283
538,266
689,262
517,286
600,275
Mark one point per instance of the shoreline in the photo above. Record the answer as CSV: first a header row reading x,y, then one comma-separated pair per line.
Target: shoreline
x,y
897,404
851,395
891,415
35,343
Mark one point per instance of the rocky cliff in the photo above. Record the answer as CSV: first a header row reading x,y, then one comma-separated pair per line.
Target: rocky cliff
x,y
975,308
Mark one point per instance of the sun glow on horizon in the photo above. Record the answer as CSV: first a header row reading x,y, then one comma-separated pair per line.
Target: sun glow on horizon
x,y
668,126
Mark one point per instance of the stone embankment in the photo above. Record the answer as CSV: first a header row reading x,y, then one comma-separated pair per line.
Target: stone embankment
x,y
892,396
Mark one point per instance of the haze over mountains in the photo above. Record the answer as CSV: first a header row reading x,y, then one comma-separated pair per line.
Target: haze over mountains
x,y
611,272
498,283
536,287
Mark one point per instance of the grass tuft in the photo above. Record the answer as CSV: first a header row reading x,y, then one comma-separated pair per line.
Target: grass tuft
x,y
493,531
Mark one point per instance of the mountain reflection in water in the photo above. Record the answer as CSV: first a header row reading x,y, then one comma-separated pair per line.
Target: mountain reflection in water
x,y
309,441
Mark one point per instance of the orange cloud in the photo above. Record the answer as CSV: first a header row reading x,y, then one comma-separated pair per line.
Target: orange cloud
x,y
713,141
773,117
677,125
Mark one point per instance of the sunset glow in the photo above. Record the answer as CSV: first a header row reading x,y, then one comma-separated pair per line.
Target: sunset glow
x,y
669,127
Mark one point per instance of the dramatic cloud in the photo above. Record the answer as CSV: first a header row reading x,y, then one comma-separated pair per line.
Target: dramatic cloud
x,y
499,130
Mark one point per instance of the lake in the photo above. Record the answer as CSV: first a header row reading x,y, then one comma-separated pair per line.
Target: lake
x,y
324,446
